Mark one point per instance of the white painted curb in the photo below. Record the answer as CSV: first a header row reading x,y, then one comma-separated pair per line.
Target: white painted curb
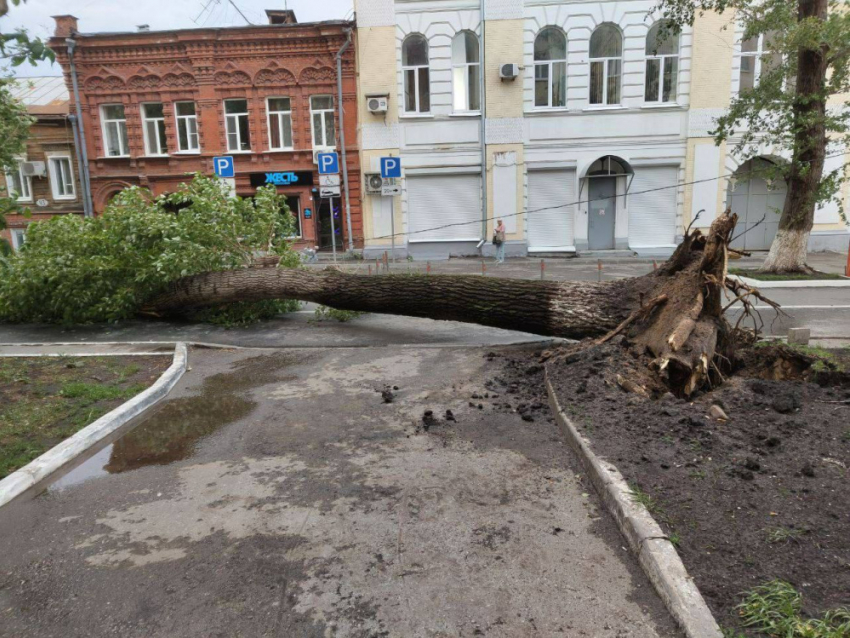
x,y
798,283
57,458
654,551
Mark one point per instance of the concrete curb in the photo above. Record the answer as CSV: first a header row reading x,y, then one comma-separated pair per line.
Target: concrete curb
x,y
798,283
654,551
58,458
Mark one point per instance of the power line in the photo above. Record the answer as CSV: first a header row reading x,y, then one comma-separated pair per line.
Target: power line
x,y
581,201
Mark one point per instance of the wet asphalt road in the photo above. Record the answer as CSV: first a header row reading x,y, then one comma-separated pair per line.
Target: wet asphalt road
x,y
275,494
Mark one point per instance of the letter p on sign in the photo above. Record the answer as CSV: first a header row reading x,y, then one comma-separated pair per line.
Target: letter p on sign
x,y
223,166
390,167
328,163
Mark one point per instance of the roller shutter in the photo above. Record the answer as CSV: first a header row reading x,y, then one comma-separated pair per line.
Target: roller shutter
x,y
438,200
652,216
551,210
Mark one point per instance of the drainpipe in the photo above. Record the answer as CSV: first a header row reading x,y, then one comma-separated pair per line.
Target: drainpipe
x,y
342,136
82,152
73,119
483,132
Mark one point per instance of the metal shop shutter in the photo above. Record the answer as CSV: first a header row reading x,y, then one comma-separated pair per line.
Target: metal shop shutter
x,y
652,216
437,200
552,228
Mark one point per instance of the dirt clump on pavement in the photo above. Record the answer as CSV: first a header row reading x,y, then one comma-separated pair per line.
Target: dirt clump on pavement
x,y
749,480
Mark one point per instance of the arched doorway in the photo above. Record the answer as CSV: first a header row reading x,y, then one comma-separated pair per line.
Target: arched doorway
x,y
758,202
601,179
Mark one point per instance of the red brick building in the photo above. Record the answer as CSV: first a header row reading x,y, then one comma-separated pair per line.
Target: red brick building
x,y
158,105
46,178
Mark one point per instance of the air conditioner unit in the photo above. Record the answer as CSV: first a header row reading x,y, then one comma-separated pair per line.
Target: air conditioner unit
x,y
374,182
509,71
377,104
33,169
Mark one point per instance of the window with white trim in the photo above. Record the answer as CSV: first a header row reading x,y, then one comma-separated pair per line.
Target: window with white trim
x,y
466,72
417,74
153,123
322,121
236,124
279,113
550,68
19,238
187,127
18,185
662,63
757,59
114,130
61,176
606,64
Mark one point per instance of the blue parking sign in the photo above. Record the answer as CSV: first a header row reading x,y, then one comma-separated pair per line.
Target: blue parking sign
x,y
328,163
391,167
223,166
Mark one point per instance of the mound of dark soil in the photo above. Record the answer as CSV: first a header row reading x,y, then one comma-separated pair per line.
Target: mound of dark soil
x,y
759,496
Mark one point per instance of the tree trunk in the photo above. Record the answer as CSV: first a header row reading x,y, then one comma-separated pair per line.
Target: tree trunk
x,y
563,309
674,314
788,250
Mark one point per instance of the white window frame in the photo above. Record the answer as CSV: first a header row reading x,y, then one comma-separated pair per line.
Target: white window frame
x,y
24,179
105,123
550,72
160,143
54,181
19,237
236,116
757,55
663,61
280,119
325,113
606,63
417,70
465,69
185,120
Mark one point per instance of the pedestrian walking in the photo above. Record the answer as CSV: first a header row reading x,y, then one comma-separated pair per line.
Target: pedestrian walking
x,y
499,241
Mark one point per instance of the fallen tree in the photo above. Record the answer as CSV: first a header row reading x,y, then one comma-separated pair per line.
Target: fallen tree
x,y
675,313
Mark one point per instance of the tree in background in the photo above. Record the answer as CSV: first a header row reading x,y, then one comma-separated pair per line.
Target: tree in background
x,y
806,50
18,46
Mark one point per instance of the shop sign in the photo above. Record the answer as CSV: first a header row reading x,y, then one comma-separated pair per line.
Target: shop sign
x,y
282,178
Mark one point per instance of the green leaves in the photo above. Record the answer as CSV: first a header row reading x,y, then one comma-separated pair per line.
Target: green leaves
x,y
79,270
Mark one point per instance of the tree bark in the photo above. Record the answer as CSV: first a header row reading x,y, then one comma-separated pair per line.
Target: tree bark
x,y
567,309
789,248
674,314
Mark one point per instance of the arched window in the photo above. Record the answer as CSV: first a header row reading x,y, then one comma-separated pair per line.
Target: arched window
x,y
417,81
466,72
662,63
758,56
550,68
606,64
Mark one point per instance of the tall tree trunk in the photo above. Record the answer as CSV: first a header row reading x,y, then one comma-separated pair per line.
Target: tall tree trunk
x,y
675,313
788,250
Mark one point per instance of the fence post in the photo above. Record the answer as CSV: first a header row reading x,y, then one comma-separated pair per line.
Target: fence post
x,y
483,269
542,269
427,267
599,269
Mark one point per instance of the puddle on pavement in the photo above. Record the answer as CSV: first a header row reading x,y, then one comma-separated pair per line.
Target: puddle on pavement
x,y
172,432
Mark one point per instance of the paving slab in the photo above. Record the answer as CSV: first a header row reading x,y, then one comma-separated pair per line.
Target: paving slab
x,y
275,493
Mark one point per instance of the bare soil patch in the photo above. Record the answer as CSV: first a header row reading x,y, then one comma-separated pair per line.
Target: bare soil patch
x,y
44,400
758,496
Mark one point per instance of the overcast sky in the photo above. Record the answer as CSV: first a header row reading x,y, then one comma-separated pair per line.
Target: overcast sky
x,y
125,15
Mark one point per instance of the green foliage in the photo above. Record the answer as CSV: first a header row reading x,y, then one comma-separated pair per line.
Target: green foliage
x,y
245,313
777,535
18,47
775,609
80,270
14,131
774,113
324,313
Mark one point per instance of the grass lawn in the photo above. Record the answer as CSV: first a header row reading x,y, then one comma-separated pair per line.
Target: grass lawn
x,y
44,400
764,276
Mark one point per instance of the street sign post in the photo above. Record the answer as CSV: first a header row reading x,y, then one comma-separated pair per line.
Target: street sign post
x,y
391,169
328,163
